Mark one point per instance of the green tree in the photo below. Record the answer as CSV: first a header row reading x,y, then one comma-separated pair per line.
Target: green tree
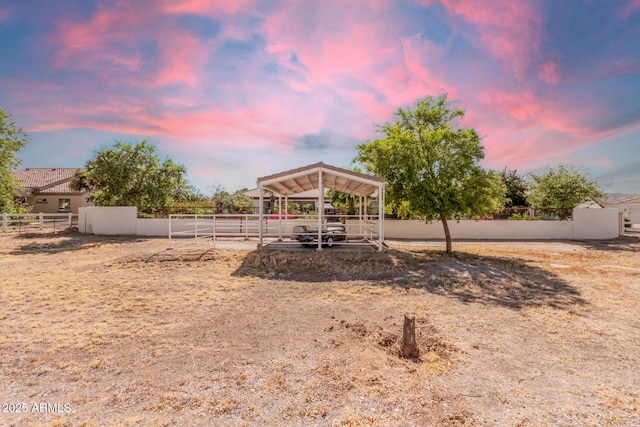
x,y
232,203
188,194
346,203
131,175
12,140
432,165
516,188
562,189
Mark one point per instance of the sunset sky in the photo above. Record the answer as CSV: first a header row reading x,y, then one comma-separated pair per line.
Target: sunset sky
x,y
239,89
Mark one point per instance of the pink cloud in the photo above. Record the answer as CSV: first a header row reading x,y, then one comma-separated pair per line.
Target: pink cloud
x,y
526,129
88,42
277,48
424,59
549,73
509,30
207,7
629,9
361,56
400,69
5,14
103,45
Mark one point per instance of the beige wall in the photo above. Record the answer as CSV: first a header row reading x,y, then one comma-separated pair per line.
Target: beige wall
x,y
631,211
52,203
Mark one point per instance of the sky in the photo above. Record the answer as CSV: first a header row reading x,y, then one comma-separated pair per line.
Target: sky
x,y
237,90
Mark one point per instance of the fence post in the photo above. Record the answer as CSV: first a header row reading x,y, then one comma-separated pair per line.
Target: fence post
x,y
4,222
170,217
41,220
70,219
213,231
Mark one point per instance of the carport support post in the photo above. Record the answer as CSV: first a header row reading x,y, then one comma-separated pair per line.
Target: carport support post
x,y
261,226
286,212
279,217
380,216
360,229
320,209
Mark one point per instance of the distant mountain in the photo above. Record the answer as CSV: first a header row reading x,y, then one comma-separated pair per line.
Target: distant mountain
x,y
612,197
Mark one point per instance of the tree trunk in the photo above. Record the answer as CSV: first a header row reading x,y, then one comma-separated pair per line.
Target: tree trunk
x,y
447,235
409,348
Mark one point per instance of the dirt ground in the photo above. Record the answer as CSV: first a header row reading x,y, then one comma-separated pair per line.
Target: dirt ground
x,y
98,331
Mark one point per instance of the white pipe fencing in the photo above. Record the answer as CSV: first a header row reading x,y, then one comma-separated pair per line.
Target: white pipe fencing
x,y
30,221
210,227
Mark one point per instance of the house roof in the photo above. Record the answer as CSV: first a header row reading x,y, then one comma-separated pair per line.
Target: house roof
x,y
46,180
306,178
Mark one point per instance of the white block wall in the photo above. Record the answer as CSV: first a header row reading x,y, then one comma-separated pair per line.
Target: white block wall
x,y
108,220
587,224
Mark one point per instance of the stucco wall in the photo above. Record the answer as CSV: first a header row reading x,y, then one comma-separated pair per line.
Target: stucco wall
x,y
631,211
586,224
108,220
596,224
469,229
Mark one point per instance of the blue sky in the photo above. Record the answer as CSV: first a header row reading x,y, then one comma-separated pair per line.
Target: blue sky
x,y
238,90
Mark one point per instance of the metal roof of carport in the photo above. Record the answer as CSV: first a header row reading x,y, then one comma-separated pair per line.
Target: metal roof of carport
x,y
306,178
320,175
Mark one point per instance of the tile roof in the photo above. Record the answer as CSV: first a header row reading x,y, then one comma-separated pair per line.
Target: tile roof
x,y
46,180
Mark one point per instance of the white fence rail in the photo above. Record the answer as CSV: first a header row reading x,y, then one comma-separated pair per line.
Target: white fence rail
x,y
210,227
20,222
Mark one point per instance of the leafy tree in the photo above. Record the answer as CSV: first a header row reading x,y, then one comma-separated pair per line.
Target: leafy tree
x,y
432,165
343,201
188,194
227,202
516,188
12,140
562,189
131,175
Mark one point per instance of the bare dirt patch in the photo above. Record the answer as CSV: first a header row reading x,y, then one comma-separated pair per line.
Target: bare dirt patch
x,y
117,331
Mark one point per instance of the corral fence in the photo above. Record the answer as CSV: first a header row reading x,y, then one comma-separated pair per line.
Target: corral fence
x,y
31,221
278,229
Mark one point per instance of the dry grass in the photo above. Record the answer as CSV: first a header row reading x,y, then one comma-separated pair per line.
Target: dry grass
x,y
127,333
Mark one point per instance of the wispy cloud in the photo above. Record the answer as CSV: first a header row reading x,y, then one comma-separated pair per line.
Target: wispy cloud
x,y
629,9
5,14
266,80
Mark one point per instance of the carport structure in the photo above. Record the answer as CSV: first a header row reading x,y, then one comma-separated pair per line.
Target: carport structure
x,y
322,176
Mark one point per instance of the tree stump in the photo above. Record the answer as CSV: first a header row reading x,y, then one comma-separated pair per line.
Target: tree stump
x,y
409,348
